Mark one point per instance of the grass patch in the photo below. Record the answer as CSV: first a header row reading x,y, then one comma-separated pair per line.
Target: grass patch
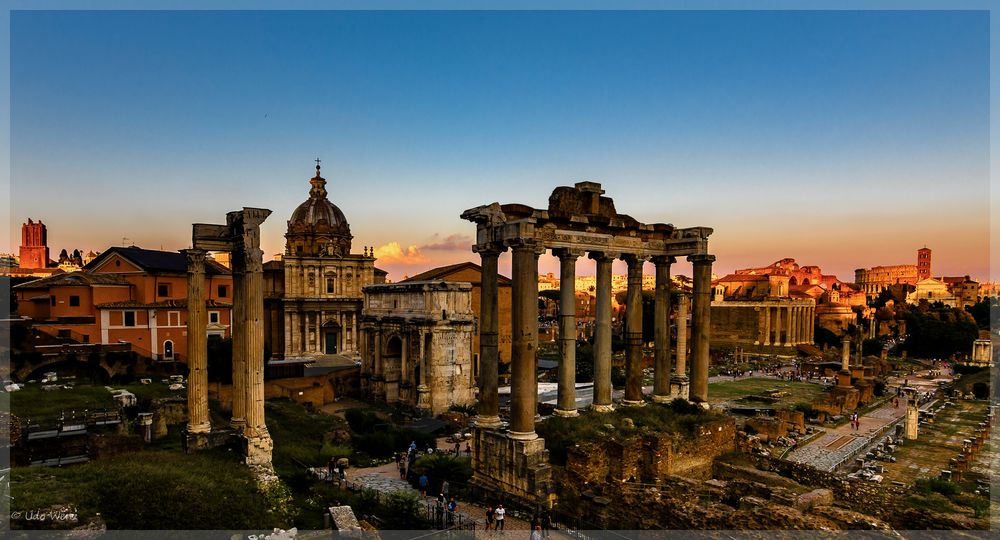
x,y
798,392
31,402
298,436
153,489
676,417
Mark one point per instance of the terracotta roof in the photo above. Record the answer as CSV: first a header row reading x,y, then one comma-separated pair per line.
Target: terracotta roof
x,y
442,272
74,279
156,305
744,277
152,261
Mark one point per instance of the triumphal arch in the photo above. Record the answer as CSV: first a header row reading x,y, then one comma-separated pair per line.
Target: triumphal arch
x,y
579,221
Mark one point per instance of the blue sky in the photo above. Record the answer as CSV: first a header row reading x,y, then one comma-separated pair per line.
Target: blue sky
x,y
843,139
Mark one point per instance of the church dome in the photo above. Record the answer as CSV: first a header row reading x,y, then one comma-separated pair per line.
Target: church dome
x,y
317,227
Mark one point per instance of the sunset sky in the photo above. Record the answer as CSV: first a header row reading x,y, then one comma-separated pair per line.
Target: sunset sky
x,y
844,139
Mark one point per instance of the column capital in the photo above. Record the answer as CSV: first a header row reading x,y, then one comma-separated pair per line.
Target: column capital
x,y
526,244
603,255
701,258
660,260
195,259
633,258
568,253
489,249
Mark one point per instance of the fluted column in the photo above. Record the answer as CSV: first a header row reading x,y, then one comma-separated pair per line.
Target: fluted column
x,y
633,331
239,330
767,324
199,420
789,326
566,401
661,330
701,325
679,381
489,353
288,334
602,333
524,326
248,258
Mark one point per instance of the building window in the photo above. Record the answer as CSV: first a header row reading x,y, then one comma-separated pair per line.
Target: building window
x,y
329,285
223,291
173,318
129,318
168,350
74,301
63,333
163,289
213,317
86,338
52,299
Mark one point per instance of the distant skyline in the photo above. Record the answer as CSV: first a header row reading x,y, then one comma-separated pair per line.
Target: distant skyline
x,y
843,139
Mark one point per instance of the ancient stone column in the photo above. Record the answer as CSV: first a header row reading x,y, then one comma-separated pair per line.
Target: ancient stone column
x,y
633,331
661,330
288,334
701,325
239,331
524,326
845,354
248,258
197,343
912,414
767,324
602,334
489,352
679,382
790,327
566,401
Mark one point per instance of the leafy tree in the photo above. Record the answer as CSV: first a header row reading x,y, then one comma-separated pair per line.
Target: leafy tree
x,y
939,332
985,310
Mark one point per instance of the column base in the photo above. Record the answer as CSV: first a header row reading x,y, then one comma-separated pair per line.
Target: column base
x,y
258,449
522,435
505,467
630,403
238,424
680,387
203,427
567,414
602,408
488,422
663,399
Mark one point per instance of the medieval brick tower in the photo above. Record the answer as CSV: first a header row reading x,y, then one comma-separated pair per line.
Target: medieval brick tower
x,y
34,245
923,263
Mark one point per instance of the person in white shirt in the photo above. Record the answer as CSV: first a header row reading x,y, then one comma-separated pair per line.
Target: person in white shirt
x,y
498,513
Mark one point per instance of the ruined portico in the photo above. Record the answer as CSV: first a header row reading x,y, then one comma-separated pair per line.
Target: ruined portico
x,y
578,221
241,237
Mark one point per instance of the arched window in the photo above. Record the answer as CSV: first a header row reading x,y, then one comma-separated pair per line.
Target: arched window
x,y
168,350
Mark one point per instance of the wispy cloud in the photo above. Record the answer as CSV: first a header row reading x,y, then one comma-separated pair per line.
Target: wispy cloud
x,y
454,242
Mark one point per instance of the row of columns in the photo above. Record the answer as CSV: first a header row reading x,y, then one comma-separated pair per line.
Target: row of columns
x,y
787,325
304,331
524,310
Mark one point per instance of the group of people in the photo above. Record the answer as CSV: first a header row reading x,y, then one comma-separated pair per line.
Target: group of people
x,y
855,422
494,517
541,523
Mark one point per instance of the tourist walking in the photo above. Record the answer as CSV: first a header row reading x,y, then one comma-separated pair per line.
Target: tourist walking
x,y
498,513
489,517
422,482
452,507
444,488
402,469
546,522
536,533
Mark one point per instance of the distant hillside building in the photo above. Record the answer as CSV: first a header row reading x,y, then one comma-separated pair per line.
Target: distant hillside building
x,y
34,245
873,280
313,295
129,295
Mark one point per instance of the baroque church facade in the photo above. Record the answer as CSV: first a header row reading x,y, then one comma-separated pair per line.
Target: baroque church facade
x,y
314,293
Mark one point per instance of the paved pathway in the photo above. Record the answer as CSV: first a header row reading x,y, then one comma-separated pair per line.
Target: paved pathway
x,y
830,449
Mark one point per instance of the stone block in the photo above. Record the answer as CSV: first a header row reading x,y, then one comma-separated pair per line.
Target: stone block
x,y
816,497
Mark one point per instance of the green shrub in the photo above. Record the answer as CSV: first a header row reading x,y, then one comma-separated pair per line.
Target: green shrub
x,y
402,511
334,451
926,486
440,467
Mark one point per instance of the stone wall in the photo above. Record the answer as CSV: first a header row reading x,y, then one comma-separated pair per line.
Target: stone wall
x,y
649,457
859,495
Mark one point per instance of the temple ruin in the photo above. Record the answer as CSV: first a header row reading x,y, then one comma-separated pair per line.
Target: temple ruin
x,y
241,237
579,221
